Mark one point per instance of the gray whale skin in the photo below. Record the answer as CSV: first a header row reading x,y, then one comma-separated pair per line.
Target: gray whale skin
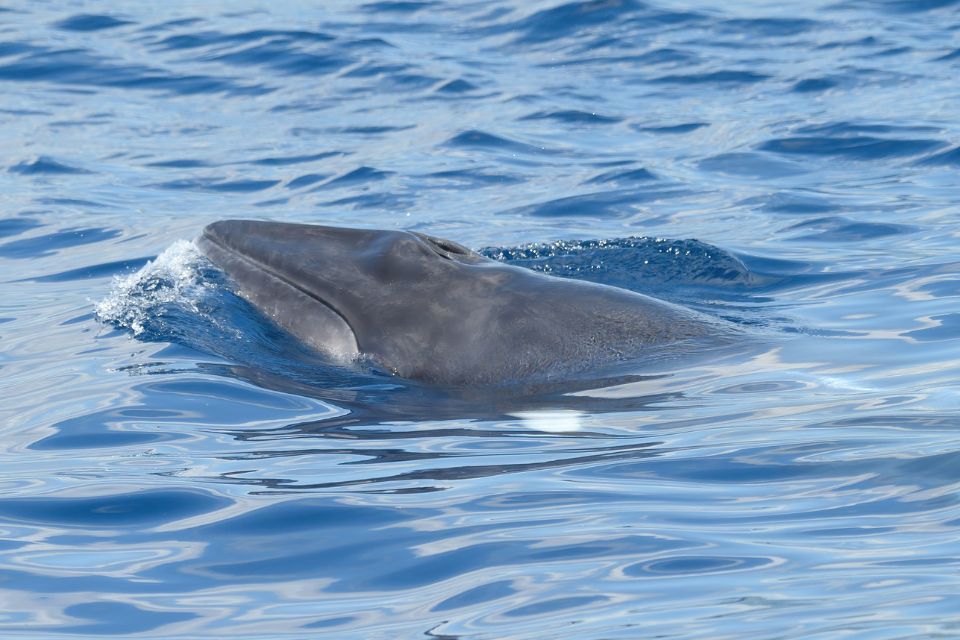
x,y
429,309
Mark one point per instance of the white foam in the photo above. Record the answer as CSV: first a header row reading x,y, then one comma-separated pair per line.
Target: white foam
x,y
174,276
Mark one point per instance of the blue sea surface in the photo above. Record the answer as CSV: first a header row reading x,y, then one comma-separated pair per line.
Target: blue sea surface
x,y
174,466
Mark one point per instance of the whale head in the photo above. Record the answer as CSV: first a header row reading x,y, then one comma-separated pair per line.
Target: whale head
x,y
394,295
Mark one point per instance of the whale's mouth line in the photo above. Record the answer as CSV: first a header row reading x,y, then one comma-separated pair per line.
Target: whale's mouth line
x,y
256,264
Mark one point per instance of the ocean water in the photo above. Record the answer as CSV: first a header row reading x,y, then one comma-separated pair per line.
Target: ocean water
x,y
173,466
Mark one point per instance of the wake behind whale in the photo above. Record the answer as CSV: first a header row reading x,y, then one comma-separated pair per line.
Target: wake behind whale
x,y
429,309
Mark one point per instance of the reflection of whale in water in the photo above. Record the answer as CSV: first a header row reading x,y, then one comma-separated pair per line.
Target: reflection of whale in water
x,y
429,309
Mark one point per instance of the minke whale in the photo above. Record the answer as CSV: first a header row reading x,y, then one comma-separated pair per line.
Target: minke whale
x,y
432,310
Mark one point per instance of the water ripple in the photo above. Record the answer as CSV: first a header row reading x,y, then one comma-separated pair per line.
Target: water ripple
x,y
568,19
856,147
950,157
90,22
44,166
487,141
121,510
45,245
16,226
725,77
83,68
838,229
572,117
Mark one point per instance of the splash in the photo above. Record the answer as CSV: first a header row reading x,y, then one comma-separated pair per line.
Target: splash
x,y
176,277
182,298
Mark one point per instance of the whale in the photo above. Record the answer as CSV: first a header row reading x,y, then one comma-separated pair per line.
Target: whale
x,y
429,309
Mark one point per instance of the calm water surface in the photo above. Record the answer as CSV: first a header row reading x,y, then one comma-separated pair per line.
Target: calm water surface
x,y
173,466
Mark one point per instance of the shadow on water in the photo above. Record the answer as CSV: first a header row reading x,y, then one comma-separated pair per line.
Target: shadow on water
x,y
400,438
395,399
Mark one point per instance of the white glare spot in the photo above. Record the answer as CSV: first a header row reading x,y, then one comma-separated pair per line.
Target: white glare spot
x,y
555,421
